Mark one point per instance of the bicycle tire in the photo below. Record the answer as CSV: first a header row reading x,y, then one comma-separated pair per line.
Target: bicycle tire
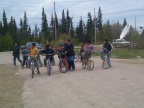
x,y
83,64
53,63
49,67
90,65
65,68
105,64
76,58
32,69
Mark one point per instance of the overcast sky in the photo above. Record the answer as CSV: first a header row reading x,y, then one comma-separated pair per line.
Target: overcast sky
x,y
113,10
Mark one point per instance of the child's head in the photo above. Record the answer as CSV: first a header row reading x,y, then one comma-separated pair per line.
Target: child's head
x,y
82,46
61,45
25,48
33,45
50,47
105,40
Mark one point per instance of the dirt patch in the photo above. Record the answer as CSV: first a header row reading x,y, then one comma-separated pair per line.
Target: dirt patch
x,y
10,87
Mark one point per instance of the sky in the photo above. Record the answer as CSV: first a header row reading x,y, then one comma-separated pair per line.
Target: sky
x,y
113,10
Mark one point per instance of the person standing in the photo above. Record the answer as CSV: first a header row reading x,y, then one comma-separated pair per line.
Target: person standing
x,y
16,54
70,54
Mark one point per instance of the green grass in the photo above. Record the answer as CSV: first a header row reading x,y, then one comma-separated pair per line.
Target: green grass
x,y
121,53
127,53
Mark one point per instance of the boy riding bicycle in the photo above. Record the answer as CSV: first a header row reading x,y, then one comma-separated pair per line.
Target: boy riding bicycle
x,y
25,55
107,48
34,56
89,49
61,52
48,50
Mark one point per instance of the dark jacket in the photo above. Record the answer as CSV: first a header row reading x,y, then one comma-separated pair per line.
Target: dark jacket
x,y
16,50
108,47
70,49
49,51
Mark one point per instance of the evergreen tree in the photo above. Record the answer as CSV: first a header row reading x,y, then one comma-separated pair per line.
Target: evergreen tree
x,y
29,34
80,31
124,23
36,31
107,31
1,28
68,21
21,31
5,23
25,27
44,25
63,23
90,28
99,20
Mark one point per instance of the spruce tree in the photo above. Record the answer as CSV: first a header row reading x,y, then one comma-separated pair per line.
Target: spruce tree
x,y
44,25
63,23
68,21
90,28
5,23
25,27
124,23
1,28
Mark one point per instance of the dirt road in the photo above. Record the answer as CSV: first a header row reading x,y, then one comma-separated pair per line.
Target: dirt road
x,y
121,86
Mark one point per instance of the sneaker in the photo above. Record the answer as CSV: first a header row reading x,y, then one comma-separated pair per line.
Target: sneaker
x,y
102,58
73,70
38,72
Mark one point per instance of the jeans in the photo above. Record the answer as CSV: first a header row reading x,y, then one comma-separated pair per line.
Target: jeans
x,y
24,60
102,52
14,59
35,62
70,61
51,59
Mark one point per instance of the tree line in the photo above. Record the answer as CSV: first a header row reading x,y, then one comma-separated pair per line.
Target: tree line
x,y
11,33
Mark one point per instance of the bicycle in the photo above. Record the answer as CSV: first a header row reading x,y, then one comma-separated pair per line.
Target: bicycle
x,y
32,67
26,63
106,63
48,64
77,57
63,65
87,62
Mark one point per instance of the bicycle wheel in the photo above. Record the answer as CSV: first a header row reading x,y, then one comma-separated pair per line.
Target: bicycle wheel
x,y
32,69
76,58
63,66
90,65
105,64
49,67
84,64
53,62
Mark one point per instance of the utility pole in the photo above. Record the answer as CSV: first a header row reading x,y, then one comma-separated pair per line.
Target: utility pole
x,y
55,23
95,25
135,23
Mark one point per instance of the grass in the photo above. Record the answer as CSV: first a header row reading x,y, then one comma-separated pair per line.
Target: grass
x,y
128,53
121,53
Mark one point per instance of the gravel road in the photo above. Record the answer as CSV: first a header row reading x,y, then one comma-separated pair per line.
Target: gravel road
x,y
121,86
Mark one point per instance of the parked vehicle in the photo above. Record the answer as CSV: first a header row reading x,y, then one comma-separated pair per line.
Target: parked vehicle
x,y
28,46
120,43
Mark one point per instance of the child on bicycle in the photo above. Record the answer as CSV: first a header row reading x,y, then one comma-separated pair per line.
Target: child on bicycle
x,y
34,56
25,55
48,50
81,51
61,52
89,49
107,48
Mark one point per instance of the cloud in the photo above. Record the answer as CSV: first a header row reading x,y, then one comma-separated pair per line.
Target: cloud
x,y
33,8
